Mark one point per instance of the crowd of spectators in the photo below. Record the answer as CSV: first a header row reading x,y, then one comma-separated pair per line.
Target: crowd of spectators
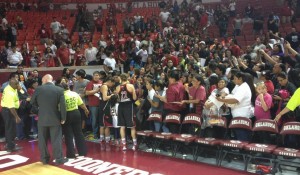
x,y
185,66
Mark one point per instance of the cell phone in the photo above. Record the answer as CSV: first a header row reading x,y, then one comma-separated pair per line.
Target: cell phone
x,y
218,95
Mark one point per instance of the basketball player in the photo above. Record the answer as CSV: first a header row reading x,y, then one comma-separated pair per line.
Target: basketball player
x,y
126,119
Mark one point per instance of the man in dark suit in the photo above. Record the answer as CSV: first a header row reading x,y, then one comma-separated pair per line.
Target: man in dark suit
x,y
50,101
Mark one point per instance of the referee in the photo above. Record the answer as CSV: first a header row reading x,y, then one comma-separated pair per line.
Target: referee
x,y
10,104
72,126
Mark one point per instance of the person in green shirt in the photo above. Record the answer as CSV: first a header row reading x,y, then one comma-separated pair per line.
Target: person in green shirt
x,y
292,104
10,104
72,126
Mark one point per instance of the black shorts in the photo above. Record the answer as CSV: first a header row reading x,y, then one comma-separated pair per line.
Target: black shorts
x,y
126,116
105,115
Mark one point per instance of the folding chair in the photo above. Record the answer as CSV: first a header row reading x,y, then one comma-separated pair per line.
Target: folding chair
x,y
235,147
289,128
266,149
187,139
209,143
145,136
163,137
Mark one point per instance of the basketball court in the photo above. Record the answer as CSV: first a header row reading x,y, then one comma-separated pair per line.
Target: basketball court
x,y
104,159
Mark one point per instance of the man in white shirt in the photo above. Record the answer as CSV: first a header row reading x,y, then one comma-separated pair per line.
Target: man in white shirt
x,y
4,23
64,33
90,54
55,26
14,58
144,54
109,62
102,42
164,15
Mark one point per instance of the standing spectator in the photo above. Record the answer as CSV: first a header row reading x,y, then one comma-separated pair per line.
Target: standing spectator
x,y
9,104
294,39
282,95
14,58
197,95
43,34
48,58
92,93
143,53
50,44
4,23
90,54
223,24
241,96
273,23
125,111
20,23
258,23
232,8
64,33
286,13
174,93
55,26
3,57
50,101
109,62
99,23
235,48
249,11
102,42
164,16
63,55
237,25
292,104
263,102
79,87
72,126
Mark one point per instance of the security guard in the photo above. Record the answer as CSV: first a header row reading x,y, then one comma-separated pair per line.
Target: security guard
x,y
10,104
72,126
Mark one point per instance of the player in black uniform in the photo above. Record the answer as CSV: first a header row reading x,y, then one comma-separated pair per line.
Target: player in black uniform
x,y
105,97
126,117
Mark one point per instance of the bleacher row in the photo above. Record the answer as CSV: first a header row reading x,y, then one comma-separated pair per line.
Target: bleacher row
x,y
33,21
275,153
118,28
247,37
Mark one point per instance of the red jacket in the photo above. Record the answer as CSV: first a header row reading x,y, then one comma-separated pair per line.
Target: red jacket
x,y
171,57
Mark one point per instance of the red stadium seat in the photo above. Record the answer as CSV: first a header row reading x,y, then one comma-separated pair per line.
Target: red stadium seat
x,y
209,143
265,128
144,135
163,138
227,145
291,129
185,139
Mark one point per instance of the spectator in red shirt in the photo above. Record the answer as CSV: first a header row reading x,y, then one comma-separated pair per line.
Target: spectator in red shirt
x,y
235,49
175,94
92,92
203,20
63,55
168,56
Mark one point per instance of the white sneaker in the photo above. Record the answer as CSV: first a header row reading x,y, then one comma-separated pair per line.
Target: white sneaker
x,y
134,147
124,148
